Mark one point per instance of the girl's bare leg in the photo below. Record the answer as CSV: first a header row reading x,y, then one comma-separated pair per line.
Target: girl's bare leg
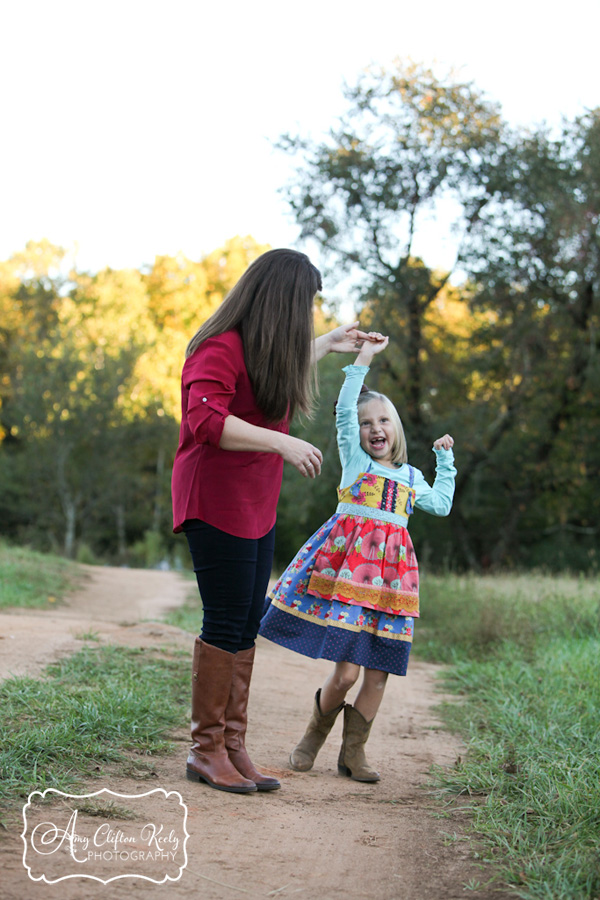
x,y
333,692
370,695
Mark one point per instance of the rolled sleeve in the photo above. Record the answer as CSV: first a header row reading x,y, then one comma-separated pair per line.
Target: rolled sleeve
x,y
206,418
210,380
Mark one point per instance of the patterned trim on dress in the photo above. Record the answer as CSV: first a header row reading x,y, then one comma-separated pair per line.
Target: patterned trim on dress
x,y
332,623
368,512
389,495
399,603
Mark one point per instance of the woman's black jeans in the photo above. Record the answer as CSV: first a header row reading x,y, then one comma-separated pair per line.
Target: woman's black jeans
x,y
233,575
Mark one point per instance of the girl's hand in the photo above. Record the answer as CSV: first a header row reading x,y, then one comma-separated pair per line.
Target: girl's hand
x,y
374,343
445,442
302,455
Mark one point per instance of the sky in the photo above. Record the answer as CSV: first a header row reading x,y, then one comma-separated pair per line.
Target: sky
x,y
133,129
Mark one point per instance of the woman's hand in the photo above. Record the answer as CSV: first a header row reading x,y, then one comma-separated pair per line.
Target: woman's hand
x,y
344,339
445,442
374,343
302,455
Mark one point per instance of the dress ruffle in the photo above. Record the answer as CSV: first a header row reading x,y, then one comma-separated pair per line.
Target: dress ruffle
x,y
316,609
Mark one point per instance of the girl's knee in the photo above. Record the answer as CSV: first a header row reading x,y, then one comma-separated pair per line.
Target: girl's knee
x,y
346,678
375,680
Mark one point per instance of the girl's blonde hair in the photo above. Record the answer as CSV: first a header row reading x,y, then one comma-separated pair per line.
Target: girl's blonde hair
x,y
399,451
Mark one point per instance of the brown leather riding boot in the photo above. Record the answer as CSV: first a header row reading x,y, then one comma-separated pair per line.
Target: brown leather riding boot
x,y
211,685
352,761
236,722
304,754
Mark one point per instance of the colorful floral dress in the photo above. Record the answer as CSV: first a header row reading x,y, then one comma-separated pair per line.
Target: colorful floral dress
x,y
351,593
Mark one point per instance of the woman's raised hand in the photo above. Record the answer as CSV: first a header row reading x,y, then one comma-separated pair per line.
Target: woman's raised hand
x,y
302,455
344,339
445,442
347,338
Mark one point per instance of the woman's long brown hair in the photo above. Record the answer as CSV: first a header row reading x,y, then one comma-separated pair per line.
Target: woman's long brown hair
x,y
272,307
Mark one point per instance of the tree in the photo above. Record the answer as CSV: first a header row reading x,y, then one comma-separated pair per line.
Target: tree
x,y
535,256
509,360
90,393
406,141
182,294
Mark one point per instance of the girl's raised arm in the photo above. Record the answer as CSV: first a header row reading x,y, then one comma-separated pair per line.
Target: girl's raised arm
x,y
348,431
437,500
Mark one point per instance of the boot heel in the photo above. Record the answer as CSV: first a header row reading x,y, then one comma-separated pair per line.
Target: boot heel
x,y
344,770
193,776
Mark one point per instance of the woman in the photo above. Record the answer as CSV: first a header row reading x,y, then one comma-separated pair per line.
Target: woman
x,y
247,370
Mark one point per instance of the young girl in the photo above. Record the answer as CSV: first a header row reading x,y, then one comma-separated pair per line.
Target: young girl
x,y
351,594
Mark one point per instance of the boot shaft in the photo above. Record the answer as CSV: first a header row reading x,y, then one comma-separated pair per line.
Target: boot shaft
x,y
236,712
352,760
304,754
212,672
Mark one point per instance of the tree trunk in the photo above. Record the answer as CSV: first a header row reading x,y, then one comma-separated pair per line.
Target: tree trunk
x,y
68,501
70,511
120,525
160,471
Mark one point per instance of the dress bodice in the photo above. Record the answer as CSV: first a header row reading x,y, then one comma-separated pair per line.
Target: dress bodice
x,y
376,492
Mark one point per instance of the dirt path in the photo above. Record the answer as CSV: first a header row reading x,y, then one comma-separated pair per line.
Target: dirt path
x,y
321,837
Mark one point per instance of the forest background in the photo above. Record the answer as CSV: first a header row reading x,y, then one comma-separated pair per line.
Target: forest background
x,y
501,350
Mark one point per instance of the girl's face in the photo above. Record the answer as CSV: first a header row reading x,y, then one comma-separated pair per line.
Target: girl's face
x,y
377,432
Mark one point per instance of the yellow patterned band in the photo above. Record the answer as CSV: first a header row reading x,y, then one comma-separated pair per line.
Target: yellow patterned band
x,y
379,493
378,598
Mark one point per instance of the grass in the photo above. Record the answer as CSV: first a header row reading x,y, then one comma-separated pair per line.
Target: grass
x,y
105,709
188,617
468,616
524,655
102,709
526,665
34,580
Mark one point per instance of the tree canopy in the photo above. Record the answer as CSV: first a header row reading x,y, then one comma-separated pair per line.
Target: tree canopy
x,y
504,354
91,368
500,349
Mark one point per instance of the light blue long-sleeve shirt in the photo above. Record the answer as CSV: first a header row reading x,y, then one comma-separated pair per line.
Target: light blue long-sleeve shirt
x,y
436,500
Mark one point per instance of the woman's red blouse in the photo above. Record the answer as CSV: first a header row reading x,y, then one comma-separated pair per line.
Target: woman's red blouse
x,y
236,491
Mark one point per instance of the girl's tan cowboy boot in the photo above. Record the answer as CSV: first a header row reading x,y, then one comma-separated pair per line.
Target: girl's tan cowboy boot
x,y
352,761
304,754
